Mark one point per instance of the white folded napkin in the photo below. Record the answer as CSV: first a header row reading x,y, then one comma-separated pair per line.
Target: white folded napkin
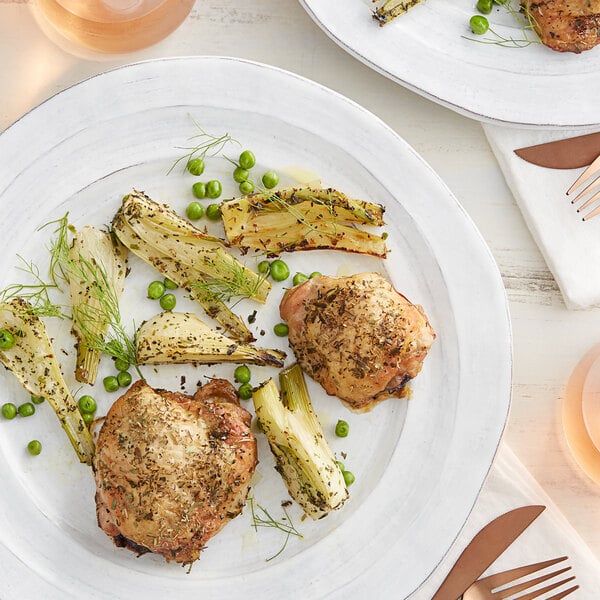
x,y
509,485
570,246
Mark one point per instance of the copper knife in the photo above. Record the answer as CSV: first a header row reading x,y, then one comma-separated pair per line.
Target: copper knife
x,y
484,549
570,153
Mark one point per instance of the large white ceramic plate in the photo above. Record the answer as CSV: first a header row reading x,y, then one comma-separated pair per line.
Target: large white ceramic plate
x,y
425,51
419,464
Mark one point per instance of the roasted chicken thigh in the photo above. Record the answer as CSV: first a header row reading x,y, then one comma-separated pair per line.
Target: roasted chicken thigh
x,y
566,25
172,470
357,336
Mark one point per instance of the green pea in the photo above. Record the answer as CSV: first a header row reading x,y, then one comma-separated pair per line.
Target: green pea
x,y
111,383
246,187
264,267
281,329
168,302
156,289
479,24
245,391
87,405
37,399
194,211
348,477
196,166
484,6
342,428
199,190
270,179
340,464
315,274
121,364
299,278
34,447
170,285
124,378
242,374
7,339
240,174
247,159
26,409
88,418
213,188
9,410
213,212
279,270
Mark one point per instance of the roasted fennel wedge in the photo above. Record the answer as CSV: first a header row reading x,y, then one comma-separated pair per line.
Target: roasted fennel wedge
x,y
32,360
302,455
187,278
305,218
194,260
388,10
174,337
95,268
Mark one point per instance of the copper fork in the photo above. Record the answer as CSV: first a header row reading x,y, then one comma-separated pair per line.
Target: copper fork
x,y
494,586
590,172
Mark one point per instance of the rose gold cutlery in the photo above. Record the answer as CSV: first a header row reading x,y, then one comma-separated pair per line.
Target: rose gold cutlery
x,y
495,587
570,153
592,188
484,549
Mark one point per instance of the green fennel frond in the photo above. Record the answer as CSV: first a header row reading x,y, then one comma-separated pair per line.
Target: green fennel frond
x,y
262,518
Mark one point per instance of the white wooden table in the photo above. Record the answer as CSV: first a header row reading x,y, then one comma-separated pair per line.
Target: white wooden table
x,y
548,339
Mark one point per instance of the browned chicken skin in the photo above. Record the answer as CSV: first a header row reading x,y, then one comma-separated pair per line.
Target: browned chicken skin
x,y
357,336
172,470
566,25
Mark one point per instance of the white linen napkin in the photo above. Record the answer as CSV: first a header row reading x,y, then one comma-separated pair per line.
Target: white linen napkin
x,y
570,247
509,485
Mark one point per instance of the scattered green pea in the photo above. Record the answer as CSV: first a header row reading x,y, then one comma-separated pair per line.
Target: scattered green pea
x,y
246,187
37,399
270,179
168,302
348,477
264,267
26,409
340,464
88,418
342,428
170,285
194,211
479,24
299,278
245,391
279,270
213,212
34,447
240,174
196,166
199,190
87,405
124,378
111,383
9,410
315,274
242,374
281,329
121,364
7,339
247,159
156,289
484,6
214,188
